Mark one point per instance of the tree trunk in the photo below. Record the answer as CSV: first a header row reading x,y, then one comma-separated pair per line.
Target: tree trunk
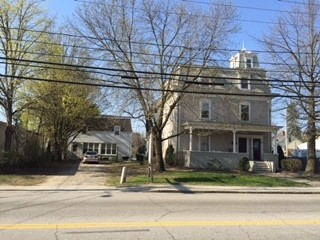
x,y
8,138
160,167
312,135
311,162
58,151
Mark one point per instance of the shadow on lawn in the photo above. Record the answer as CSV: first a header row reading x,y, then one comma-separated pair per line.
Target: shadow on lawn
x,y
58,168
199,180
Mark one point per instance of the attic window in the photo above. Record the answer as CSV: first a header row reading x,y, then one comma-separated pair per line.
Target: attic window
x,y
249,62
244,83
117,130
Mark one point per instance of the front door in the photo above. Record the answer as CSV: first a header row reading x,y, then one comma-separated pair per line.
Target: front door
x,y
256,149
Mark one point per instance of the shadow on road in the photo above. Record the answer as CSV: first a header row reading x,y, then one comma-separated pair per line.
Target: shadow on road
x,y
180,188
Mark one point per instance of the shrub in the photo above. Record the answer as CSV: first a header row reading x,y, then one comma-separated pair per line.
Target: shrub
x,y
170,155
291,164
215,164
244,164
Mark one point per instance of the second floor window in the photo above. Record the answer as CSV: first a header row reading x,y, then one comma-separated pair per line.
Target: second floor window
x,y
245,112
205,109
117,130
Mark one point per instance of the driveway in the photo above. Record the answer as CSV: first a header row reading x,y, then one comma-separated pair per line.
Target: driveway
x,y
79,175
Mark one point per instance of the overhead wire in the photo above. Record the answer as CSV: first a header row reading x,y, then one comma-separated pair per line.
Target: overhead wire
x,y
224,61
72,35
231,50
206,92
168,76
135,71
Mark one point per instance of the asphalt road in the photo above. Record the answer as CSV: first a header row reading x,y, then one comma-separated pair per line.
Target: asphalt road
x,y
122,214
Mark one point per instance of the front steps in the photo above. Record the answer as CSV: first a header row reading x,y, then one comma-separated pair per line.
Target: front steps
x,y
261,166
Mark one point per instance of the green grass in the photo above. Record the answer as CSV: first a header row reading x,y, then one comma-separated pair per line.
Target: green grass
x,y
137,175
20,180
174,177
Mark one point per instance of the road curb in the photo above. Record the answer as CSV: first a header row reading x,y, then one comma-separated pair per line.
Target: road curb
x,y
171,189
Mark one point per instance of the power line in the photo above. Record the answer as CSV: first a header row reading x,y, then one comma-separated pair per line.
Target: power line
x,y
134,72
162,90
148,54
238,6
231,50
109,39
142,88
202,2
208,83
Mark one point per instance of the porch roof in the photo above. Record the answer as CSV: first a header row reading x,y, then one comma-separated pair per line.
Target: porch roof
x,y
245,127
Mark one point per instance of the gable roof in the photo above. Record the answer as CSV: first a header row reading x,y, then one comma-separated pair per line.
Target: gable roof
x,y
107,123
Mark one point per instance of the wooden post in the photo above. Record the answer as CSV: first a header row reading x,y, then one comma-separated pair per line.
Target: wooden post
x,y
123,175
150,167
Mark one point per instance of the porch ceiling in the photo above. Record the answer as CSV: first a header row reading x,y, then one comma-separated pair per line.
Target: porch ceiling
x,y
230,127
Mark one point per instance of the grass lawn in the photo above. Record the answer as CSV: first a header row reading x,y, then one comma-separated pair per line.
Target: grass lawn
x,y
20,180
138,175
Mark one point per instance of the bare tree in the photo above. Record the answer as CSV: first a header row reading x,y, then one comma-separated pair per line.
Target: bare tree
x,y
22,23
147,41
294,47
293,124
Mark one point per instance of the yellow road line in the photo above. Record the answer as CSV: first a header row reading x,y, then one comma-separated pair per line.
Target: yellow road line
x,y
173,224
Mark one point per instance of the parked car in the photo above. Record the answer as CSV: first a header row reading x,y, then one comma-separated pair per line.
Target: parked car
x,y
91,156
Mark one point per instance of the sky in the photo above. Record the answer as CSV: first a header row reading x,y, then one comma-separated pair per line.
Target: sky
x,y
254,15
254,18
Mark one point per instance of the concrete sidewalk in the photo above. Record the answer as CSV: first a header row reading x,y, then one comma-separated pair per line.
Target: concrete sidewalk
x,y
153,188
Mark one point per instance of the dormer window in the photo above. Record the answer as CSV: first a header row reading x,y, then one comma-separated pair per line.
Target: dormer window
x,y
117,130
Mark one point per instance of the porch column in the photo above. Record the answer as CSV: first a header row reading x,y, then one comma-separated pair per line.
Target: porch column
x,y
234,141
190,139
275,150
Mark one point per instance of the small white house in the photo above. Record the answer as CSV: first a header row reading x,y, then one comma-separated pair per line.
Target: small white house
x,y
302,150
109,136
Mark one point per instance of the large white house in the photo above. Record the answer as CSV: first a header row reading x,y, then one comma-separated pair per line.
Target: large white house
x,y
228,120
110,136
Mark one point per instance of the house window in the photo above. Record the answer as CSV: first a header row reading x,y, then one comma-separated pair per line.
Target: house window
x,y
249,62
109,149
74,147
205,109
117,130
103,148
204,143
90,147
242,145
244,83
245,112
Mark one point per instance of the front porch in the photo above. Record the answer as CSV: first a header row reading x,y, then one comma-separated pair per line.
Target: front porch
x,y
208,143
225,160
